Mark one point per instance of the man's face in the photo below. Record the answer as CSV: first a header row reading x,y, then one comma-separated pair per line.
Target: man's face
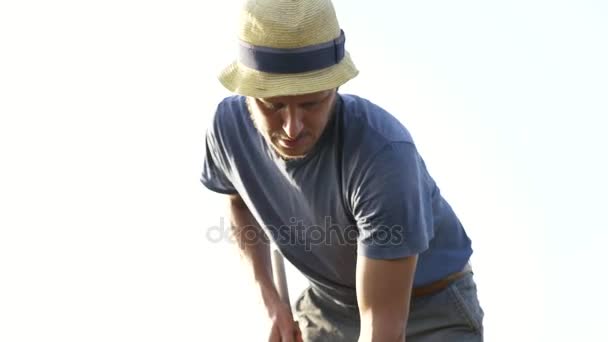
x,y
292,124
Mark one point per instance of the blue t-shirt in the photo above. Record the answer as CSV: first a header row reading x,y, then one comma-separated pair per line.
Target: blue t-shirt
x,y
362,189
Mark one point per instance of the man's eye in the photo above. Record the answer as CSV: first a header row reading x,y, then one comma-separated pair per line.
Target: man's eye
x,y
310,105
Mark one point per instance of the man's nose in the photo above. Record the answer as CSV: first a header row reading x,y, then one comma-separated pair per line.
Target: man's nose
x,y
292,122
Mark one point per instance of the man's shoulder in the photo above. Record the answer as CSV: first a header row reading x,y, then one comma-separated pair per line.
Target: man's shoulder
x,y
231,100
368,127
228,114
231,106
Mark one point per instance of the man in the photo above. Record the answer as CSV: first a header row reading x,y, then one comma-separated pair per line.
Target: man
x,y
337,184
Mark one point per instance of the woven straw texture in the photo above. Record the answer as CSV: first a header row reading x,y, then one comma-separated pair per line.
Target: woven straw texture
x,y
287,24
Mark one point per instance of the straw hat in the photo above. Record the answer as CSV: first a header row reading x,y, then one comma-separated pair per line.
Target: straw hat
x,y
288,47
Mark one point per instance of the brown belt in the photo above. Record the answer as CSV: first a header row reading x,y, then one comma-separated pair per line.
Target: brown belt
x,y
436,286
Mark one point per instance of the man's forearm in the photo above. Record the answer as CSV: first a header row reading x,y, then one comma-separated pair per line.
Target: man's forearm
x,y
383,294
390,330
254,249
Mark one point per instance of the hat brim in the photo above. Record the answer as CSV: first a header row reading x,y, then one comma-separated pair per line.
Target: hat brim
x,y
245,81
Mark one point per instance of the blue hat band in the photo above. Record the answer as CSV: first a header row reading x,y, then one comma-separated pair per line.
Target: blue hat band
x,y
292,61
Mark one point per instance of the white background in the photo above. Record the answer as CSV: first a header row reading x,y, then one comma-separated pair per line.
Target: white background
x,y
104,225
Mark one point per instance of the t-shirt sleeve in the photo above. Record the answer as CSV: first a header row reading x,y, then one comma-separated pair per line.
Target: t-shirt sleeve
x,y
392,204
216,175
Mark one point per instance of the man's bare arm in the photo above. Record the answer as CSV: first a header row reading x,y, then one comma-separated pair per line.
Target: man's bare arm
x,y
254,247
383,295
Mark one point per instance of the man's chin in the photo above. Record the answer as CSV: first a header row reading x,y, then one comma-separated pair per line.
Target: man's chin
x,y
288,154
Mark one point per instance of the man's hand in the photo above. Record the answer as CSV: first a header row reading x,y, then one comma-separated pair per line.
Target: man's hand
x,y
383,295
283,328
